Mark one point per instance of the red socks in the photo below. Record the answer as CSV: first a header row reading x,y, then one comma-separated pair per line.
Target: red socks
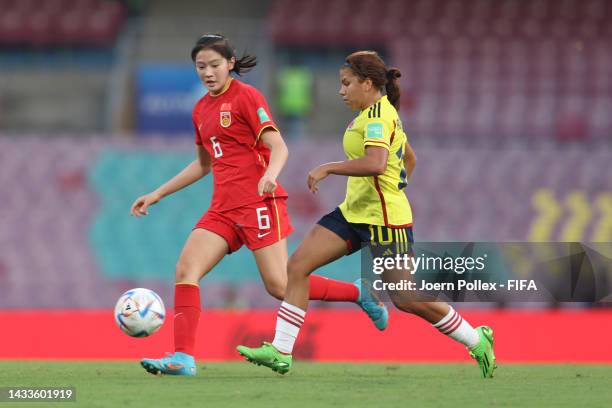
x,y
332,290
186,317
187,306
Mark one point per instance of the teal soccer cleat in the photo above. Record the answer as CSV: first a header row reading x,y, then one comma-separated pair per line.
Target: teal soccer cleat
x,y
173,364
371,305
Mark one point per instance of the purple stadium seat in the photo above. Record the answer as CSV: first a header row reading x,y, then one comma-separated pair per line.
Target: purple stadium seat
x,y
59,22
533,52
103,23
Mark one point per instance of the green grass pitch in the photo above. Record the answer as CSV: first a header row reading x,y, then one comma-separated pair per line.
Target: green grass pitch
x,y
125,384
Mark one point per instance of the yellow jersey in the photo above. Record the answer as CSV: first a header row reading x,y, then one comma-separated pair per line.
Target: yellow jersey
x,y
377,200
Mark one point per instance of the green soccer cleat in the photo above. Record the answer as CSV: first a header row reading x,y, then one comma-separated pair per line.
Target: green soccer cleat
x,y
267,355
483,352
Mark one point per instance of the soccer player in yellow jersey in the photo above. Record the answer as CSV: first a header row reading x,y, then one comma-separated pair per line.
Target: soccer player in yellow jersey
x,y
375,210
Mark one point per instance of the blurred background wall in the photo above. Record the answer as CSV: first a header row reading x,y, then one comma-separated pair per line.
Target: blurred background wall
x,y
507,103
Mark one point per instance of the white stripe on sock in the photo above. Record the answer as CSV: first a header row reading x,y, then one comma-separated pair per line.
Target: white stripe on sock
x,y
288,318
449,315
294,309
287,327
294,316
457,328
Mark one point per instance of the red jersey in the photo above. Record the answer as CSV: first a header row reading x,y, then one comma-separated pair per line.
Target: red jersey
x,y
229,127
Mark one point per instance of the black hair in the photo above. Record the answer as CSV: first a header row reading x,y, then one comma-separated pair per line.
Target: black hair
x,y
219,43
368,64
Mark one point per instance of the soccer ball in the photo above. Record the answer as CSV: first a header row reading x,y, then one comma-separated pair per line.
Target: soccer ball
x,y
139,312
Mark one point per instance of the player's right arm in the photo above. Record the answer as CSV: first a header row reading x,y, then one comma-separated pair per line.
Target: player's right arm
x,y
189,175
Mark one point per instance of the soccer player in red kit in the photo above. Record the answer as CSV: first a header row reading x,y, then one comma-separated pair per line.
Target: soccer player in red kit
x,y
237,139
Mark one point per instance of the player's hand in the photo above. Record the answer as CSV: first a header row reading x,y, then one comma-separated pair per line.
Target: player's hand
x,y
317,174
141,205
267,184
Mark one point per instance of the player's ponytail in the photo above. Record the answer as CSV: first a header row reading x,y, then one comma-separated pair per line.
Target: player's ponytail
x,y
392,86
221,45
369,65
245,64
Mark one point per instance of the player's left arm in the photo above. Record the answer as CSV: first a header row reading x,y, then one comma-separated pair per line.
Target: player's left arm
x,y
278,157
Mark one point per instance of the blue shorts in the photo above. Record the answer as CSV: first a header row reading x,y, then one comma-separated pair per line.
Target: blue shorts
x,y
358,235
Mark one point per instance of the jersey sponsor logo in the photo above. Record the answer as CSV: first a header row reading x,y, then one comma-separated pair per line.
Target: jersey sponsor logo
x,y
374,131
226,119
263,115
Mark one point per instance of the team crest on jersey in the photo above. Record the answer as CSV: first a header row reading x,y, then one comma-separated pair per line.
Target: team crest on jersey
x,y
226,119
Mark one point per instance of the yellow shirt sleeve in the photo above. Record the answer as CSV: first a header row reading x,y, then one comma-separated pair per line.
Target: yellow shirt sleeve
x,y
376,133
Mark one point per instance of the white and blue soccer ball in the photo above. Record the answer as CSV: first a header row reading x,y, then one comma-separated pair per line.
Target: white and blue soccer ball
x,y
139,312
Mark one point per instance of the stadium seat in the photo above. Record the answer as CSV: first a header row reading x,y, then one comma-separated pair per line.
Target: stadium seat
x,y
59,23
538,51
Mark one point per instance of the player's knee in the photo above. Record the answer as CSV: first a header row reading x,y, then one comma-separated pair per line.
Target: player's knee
x,y
276,289
186,272
297,268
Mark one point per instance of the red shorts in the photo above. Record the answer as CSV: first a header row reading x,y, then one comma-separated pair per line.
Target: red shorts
x,y
255,225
